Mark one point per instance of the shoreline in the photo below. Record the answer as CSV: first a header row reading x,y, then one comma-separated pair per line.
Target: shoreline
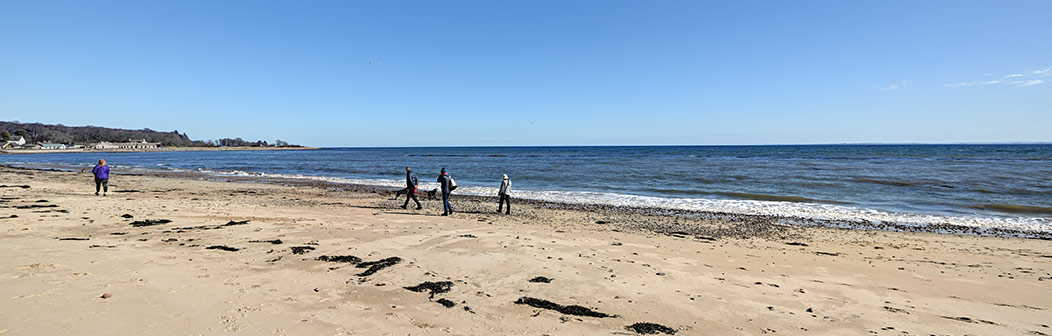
x,y
874,198
650,218
140,150
227,262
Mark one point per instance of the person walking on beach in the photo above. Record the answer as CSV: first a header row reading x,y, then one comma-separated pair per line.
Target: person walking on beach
x,y
102,177
410,188
447,187
505,195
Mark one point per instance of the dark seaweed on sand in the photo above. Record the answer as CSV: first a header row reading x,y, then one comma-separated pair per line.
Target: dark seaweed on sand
x,y
568,310
446,303
647,328
301,249
346,259
541,279
222,247
127,216
150,222
34,206
274,241
47,211
968,319
376,266
432,287
207,227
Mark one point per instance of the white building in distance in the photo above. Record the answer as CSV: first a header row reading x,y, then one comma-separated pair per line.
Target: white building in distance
x,y
15,141
131,144
52,146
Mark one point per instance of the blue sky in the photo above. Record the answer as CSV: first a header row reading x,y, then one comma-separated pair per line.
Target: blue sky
x,y
450,73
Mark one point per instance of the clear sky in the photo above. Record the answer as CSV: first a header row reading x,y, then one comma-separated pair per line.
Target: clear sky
x,y
441,73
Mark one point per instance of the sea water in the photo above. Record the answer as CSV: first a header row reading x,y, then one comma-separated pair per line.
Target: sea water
x,y
977,185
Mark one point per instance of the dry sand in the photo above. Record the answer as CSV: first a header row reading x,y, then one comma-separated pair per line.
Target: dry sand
x,y
70,264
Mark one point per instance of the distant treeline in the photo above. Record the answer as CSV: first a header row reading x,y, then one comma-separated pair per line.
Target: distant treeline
x,y
42,133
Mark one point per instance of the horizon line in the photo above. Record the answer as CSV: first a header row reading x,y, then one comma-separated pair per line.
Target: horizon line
x,y
720,145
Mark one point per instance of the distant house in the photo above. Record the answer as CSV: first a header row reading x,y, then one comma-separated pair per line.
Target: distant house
x,y
52,146
103,145
15,141
131,144
136,144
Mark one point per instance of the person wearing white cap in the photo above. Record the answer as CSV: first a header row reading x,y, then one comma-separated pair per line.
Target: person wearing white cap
x,y
505,195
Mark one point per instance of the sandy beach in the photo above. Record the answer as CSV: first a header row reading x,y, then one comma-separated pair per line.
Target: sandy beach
x,y
170,255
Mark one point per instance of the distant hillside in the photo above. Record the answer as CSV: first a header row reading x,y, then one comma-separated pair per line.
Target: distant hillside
x,y
37,132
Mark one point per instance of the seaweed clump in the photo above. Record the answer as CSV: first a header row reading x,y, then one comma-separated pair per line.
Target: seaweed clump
x,y
206,227
223,247
446,303
346,259
647,328
150,222
568,310
432,287
376,266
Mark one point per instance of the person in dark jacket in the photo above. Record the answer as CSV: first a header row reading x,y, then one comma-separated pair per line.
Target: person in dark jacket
x,y
505,195
445,180
102,177
410,188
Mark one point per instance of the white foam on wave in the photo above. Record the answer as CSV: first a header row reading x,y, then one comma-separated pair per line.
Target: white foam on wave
x,y
829,212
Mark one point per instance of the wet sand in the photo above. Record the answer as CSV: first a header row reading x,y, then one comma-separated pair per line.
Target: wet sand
x,y
181,256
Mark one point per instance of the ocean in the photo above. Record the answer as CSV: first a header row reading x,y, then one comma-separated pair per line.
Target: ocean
x,y
976,185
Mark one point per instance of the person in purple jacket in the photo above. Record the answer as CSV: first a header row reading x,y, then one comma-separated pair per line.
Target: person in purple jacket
x,y
102,177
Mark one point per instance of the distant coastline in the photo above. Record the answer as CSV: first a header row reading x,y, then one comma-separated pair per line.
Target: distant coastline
x,y
159,149
25,138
